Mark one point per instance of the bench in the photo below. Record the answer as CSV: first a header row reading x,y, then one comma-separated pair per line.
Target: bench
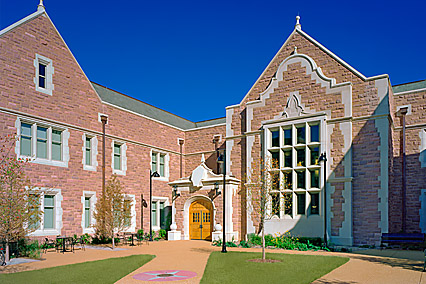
x,y
405,239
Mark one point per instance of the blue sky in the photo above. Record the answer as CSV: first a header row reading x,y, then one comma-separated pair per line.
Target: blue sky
x,y
194,58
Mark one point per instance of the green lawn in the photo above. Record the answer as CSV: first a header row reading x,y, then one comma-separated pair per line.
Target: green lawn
x,y
233,267
100,271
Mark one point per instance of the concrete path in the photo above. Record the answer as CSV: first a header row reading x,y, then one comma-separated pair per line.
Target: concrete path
x,y
369,266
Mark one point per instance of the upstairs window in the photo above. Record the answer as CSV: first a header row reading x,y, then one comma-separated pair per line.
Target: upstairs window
x,y
44,70
159,163
44,144
119,158
90,152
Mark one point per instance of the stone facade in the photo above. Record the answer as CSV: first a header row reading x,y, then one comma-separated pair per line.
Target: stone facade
x,y
305,84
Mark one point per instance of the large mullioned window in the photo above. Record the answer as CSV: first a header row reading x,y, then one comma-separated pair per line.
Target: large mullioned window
x,y
294,170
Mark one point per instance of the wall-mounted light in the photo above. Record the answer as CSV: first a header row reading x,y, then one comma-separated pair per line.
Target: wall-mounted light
x,y
175,193
217,191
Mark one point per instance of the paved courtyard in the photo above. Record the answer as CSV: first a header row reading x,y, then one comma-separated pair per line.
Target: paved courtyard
x,y
369,266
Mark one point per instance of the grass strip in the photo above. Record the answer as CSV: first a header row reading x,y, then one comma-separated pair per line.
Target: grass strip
x,y
233,267
99,271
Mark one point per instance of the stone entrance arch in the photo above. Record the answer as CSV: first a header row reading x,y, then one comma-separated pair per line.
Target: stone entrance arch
x,y
195,204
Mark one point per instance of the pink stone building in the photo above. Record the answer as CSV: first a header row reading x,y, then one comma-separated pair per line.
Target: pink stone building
x,y
307,102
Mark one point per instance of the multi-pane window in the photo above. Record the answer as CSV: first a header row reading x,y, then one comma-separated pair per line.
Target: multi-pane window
x,y
48,142
88,151
87,215
44,71
154,214
159,214
48,210
127,205
117,156
158,163
293,152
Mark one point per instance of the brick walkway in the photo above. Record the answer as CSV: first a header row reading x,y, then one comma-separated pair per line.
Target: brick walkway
x,y
372,266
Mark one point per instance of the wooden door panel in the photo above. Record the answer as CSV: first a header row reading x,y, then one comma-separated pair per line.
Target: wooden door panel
x,y
200,225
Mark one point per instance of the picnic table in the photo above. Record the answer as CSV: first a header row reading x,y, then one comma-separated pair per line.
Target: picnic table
x,y
63,240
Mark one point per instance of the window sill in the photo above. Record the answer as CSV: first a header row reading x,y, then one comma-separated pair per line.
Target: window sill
x,y
88,230
44,90
47,232
89,168
119,172
161,178
46,162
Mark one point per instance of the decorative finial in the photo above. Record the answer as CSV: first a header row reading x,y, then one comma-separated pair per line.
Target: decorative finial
x,y
40,6
295,50
298,25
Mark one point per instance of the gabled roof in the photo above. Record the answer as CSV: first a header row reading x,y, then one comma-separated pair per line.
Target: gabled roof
x,y
125,102
409,87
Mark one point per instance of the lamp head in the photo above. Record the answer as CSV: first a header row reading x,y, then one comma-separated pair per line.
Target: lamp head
x,y
155,174
322,158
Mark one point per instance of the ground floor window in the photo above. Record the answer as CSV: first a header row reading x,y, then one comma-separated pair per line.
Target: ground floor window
x,y
160,213
50,222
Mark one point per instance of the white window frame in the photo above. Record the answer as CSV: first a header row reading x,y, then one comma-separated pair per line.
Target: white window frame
x,y
293,123
49,74
34,159
93,152
123,158
166,164
422,148
159,199
57,212
93,200
132,227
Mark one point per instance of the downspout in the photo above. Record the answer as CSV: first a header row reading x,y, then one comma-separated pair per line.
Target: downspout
x,y
403,112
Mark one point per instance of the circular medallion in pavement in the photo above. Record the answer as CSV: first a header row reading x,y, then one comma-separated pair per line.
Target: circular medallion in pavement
x,y
165,275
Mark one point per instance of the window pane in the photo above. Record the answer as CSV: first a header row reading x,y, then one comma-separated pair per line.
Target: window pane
x,y
275,138
314,133
315,178
161,173
41,133
88,143
41,69
288,180
162,159
87,202
288,159
86,217
301,133
48,201
26,129
275,181
88,157
275,198
154,214
117,162
314,155
288,203
25,146
42,82
275,160
56,136
301,203
154,162
56,152
162,216
48,218
42,149
117,149
300,157
300,179
287,137
314,203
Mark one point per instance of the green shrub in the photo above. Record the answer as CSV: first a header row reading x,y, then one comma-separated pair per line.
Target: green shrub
x,y
102,240
162,234
286,241
30,249
244,244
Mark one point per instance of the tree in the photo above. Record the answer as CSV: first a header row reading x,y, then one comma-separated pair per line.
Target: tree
x,y
19,207
263,187
112,213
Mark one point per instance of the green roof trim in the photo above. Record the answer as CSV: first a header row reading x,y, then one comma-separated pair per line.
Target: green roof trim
x,y
409,86
118,99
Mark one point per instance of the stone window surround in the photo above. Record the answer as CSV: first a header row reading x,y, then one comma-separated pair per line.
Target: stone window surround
x,y
93,200
123,148
273,124
166,203
49,74
64,136
93,152
132,227
57,212
166,164
422,148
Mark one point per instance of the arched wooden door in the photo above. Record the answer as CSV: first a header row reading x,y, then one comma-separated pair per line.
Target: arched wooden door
x,y
200,220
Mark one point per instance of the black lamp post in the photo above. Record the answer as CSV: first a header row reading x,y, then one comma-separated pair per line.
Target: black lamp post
x,y
323,158
221,159
151,175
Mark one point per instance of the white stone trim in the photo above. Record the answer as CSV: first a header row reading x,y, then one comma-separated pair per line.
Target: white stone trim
x,y
410,91
398,108
382,126
123,157
57,212
166,164
229,143
65,135
49,74
93,152
21,22
422,148
99,117
93,200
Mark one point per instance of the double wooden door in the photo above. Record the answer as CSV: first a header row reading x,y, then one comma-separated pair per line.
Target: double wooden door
x,y
200,224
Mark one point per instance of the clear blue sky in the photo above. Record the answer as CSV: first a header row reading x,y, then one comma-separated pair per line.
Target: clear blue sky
x,y
194,58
